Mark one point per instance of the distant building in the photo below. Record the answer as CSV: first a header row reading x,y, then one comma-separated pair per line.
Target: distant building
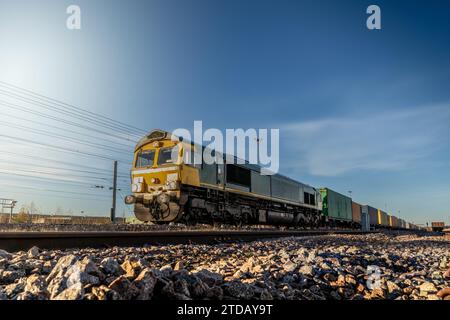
x,y
438,226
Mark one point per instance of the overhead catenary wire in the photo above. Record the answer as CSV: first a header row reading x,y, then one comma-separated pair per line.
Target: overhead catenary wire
x,y
56,174
82,117
63,181
58,196
70,182
61,137
65,121
67,130
57,191
61,103
84,120
77,165
79,116
109,157
33,165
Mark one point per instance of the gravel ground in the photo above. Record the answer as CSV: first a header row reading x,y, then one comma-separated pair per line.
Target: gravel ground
x,y
41,227
375,266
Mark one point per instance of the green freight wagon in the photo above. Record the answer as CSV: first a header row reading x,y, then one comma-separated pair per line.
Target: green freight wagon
x,y
336,206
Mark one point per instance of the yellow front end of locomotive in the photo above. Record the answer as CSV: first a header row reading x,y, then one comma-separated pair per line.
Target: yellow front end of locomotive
x,y
157,175
156,181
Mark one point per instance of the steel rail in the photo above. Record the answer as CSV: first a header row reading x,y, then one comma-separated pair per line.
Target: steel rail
x,y
16,241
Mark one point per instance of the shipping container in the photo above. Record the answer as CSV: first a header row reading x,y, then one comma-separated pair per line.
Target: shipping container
x,y
336,206
356,212
383,218
438,224
394,222
373,215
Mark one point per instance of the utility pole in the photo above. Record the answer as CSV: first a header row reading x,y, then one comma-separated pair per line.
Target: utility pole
x,y
114,188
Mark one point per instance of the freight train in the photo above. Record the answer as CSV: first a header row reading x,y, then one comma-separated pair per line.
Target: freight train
x,y
167,188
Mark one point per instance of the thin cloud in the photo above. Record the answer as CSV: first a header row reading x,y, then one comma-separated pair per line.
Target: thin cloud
x,y
386,141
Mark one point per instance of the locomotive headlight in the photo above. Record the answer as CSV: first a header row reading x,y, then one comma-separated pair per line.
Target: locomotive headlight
x,y
136,187
137,184
172,185
172,181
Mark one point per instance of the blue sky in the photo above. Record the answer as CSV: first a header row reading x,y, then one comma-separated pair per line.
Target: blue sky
x,y
358,110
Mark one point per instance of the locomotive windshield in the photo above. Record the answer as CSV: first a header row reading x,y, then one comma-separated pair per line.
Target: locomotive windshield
x,y
165,155
145,159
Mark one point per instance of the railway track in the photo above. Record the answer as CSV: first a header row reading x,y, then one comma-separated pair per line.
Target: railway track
x,y
16,241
